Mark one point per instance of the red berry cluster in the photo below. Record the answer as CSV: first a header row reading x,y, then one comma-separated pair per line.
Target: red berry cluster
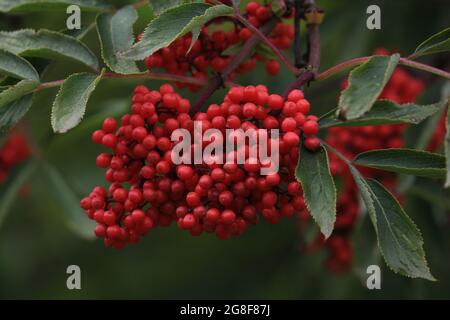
x,y
147,189
13,151
402,88
208,53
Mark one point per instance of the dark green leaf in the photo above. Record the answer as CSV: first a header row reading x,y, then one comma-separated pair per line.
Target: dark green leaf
x,y
386,112
406,161
366,83
116,34
20,89
16,67
399,240
47,44
48,5
319,190
70,103
12,113
9,190
439,42
79,33
172,24
72,213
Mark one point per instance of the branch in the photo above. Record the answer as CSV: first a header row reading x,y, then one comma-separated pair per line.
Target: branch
x,y
297,39
147,75
300,81
314,17
357,61
246,50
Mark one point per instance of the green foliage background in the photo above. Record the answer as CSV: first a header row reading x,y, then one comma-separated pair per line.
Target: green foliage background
x,y
37,238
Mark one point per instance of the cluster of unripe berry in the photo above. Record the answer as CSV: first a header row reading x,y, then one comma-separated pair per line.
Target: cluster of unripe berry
x,y
209,53
221,196
13,151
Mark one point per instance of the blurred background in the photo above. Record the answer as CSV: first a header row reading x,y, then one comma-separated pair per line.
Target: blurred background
x,y
44,230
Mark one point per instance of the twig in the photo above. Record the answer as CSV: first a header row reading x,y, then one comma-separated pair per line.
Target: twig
x,y
297,33
357,61
300,81
147,75
314,17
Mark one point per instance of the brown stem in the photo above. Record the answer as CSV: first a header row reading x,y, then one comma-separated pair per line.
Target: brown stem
x,y
357,61
300,81
297,32
147,75
246,50
313,16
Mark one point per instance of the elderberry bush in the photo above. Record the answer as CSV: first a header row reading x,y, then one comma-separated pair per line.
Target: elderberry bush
x,y
229,120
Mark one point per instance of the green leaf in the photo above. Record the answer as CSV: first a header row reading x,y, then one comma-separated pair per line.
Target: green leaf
x,y
49,5
172,24
399,240
12,113
439,42
116,34
20,89
366,83
447,147
17,67
70,103
73,215
159,6
10,189
386,112
406,161
79,33
313,173
47,44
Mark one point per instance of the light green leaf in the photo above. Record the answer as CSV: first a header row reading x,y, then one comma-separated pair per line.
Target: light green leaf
x,y
70,103
116,34
20,89
313,173
47,44
386,112
399,239
447,147
172,24
17,67
12,113
49,5
366,83
73,215
406,161
439,42
10,189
